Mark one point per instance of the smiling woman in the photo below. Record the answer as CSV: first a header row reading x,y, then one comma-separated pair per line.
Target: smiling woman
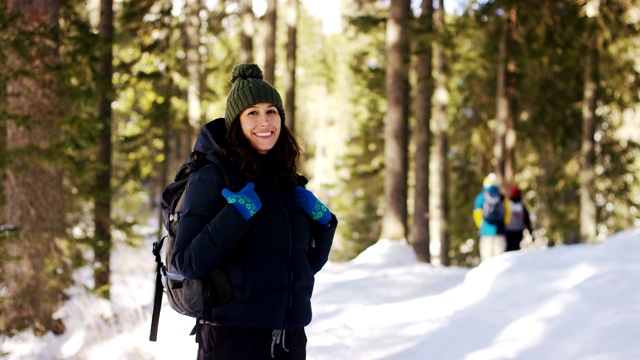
x,y
248,216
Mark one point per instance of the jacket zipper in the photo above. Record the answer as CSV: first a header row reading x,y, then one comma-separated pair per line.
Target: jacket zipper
x,y
290,287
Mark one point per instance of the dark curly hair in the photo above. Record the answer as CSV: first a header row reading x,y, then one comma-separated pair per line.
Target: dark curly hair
x,y
282,158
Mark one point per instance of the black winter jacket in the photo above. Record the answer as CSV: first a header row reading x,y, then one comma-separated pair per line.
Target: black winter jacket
x,y
270,260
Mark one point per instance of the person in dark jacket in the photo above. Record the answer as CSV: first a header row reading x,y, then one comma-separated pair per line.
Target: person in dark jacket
x,y
519,220
249,215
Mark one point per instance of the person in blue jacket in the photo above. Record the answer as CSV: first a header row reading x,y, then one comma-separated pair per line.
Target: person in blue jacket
x,y
490,213
249,215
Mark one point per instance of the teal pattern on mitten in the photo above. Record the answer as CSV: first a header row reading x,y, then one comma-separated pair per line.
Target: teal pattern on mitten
x,y
245,201
311,205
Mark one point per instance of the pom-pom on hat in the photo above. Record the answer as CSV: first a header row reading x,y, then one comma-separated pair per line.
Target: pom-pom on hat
x,y
490,180
249,88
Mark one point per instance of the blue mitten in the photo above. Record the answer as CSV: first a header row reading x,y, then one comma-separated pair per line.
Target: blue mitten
x,y
311,205
246,201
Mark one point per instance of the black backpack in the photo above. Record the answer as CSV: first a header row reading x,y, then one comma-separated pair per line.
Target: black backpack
x,y
191,297
493,210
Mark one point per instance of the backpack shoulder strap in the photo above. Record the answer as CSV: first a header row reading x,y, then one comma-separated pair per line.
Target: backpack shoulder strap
x,y
177,211
230,176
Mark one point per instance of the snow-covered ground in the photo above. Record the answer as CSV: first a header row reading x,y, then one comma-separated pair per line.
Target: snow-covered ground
x,y
561,303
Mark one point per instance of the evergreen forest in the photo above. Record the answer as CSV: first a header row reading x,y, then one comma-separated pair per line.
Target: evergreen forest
x,y
401,107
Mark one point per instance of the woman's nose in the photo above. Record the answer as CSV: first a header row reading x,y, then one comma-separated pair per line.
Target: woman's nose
x,y
263,119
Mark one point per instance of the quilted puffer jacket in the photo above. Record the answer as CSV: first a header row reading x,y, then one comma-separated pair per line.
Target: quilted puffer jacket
x,y
269,260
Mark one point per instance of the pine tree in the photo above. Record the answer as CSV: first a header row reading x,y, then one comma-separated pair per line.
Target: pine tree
x,y
396,140
35,267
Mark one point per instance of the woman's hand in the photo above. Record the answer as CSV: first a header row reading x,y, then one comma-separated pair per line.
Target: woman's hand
x,y
246,201
311,205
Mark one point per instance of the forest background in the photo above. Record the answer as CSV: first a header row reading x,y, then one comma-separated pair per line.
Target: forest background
x,y
402,108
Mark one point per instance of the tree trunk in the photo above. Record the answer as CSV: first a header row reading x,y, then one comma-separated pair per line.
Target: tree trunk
x,y
184,140
292,44
588,215
510,139
422,135
102,210
35,270
394,221
193,61
248,31
503,109
441,100
270,42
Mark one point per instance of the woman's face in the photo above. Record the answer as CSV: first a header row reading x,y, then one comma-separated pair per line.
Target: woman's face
x,y
261,125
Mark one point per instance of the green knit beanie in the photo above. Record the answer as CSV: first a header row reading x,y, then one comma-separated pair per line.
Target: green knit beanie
x,y
249,89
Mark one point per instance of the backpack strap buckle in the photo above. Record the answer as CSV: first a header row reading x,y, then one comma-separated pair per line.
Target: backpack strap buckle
x,y
174,216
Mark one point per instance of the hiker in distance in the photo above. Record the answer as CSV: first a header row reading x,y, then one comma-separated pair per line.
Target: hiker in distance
x,y
249,215
520,220
490,213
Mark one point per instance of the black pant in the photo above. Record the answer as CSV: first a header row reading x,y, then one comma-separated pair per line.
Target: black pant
x,y
513,240
216,342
